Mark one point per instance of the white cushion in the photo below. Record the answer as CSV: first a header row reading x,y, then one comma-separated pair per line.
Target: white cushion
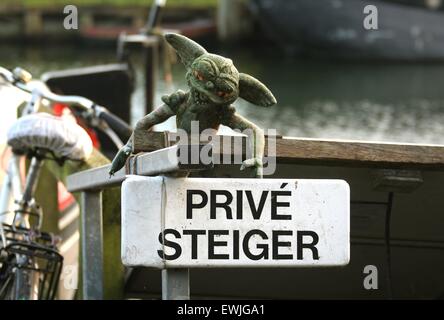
x,y
42,130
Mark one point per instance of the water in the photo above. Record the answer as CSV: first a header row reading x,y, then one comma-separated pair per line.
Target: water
x,y
333,100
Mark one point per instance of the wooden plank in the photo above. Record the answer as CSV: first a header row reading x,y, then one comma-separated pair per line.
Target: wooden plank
x,y
161,161
353,153
149,141
326,152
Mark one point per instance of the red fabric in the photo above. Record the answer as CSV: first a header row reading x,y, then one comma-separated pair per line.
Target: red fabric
x,y
61,110
66,199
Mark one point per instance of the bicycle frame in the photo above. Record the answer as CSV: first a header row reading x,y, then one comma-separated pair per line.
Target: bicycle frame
x,y
12,188
15,193
21,237
23,195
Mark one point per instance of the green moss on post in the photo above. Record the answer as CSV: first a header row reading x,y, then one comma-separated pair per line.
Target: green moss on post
x,y
113,269
112,265
46,197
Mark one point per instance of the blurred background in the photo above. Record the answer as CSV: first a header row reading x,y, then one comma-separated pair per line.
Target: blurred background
x,y
339,69
332,77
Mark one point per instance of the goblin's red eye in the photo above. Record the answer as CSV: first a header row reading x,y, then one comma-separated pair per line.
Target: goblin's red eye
x,y
198,76
222,94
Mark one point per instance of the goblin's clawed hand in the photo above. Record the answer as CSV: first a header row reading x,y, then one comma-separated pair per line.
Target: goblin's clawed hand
x,y
120,159
255,163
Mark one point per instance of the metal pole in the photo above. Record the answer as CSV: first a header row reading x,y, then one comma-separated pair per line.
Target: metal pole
x,y
151,58
92,245
154,16
175,284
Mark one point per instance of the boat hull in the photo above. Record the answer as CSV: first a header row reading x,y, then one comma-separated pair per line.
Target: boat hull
x,y
336,28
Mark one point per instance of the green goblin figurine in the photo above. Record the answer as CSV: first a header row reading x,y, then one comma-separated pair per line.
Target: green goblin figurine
x,y
214,85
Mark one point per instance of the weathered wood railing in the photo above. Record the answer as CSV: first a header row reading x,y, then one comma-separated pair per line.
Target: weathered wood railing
x,y
397,161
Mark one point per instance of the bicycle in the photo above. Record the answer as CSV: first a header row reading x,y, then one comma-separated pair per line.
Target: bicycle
x,y
30,264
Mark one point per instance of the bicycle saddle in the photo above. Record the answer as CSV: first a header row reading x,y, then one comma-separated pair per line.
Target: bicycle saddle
x,y
65,139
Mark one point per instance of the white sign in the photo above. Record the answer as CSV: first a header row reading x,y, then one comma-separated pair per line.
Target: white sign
x,y
201,222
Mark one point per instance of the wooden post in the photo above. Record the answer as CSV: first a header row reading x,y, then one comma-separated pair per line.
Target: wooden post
x,y
86,19
151,58
231,20
138,21
46,197
33,23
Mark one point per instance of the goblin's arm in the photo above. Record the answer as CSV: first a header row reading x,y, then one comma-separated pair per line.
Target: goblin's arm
x,y
156,116
171,104
159,115
255,137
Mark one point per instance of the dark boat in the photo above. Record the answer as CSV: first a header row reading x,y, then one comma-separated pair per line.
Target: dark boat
x,y
335,28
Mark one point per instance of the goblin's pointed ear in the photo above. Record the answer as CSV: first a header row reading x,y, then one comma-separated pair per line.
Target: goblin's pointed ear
x,y
187,49
255,91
